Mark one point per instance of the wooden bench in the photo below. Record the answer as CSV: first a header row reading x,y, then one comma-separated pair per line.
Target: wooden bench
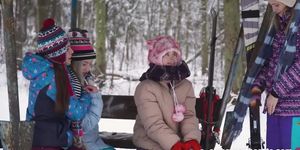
x,y
122,107
118,107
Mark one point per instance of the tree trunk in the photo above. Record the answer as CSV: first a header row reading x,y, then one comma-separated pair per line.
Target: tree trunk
x,y
11,69
101,16
43,10
21,26
204,39
74,10
150,18
160,17
178,27
187,35
113,49
168,20
55,11
80,15
231,25
2,59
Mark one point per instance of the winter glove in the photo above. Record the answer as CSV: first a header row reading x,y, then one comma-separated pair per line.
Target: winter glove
x,y
256,96
255,90
178,146
192,145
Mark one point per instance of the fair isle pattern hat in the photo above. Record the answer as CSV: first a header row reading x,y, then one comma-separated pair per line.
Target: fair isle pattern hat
x,y
52,42
81,45
161,45
289,3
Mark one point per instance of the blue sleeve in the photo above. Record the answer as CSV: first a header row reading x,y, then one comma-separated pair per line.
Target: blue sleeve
x,y
78,107
93,115
34,66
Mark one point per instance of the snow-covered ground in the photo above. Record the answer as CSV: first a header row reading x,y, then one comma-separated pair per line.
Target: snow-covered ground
x,y
106,124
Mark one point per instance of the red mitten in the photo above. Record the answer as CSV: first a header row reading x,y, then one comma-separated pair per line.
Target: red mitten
x,y
178,146
192,145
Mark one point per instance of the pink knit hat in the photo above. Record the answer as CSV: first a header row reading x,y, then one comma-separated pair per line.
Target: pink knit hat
x,y
81,45
161,45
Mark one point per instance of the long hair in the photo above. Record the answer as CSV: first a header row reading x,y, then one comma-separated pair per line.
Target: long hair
x,y
289,10
62,94
76,66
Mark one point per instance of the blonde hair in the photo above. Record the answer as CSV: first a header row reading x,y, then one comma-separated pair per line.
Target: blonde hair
x,y
76,65
276,20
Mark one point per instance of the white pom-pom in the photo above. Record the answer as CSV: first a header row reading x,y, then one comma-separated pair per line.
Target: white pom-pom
x,y
180,108
177,117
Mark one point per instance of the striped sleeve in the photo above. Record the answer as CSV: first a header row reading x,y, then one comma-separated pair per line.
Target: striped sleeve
x,y
288,80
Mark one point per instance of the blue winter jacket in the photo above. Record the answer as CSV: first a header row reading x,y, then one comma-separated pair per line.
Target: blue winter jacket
x,y
51,129
91,138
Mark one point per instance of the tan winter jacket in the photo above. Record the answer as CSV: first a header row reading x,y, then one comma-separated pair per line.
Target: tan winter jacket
x,y
154,128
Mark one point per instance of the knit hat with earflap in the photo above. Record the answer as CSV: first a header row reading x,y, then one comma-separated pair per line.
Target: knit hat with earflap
x,y
81,45
289,3
161,45
53,45
52,42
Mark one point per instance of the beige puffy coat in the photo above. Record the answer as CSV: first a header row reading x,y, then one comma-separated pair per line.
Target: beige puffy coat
x,y
154,128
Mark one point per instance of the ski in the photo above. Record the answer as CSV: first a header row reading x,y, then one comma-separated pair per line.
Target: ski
x,y
250,17
234,122
228,85
207,121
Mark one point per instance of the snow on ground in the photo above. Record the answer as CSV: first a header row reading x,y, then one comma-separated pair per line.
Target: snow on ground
x,y
108,124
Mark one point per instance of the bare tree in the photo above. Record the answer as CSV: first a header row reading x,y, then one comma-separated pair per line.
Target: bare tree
x,y
11,70
231,25
168,17
204,38
43,10
178,25
101,15
21,26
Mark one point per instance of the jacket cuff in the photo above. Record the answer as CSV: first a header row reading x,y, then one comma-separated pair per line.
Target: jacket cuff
x,y
274,93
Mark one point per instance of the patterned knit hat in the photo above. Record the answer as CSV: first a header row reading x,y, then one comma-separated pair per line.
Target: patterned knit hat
x,y
52,42
80,44
289,3
161,45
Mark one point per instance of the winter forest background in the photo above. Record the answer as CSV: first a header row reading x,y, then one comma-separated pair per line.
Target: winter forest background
x,y
119,29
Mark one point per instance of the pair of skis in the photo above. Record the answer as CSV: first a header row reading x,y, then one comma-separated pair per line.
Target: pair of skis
x,y
255,141
208,97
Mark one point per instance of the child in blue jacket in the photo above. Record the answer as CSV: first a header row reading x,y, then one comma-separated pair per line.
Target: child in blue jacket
x,y
51,104
83,82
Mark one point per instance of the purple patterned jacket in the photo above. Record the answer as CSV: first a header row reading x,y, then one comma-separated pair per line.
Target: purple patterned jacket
x,y
286,85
